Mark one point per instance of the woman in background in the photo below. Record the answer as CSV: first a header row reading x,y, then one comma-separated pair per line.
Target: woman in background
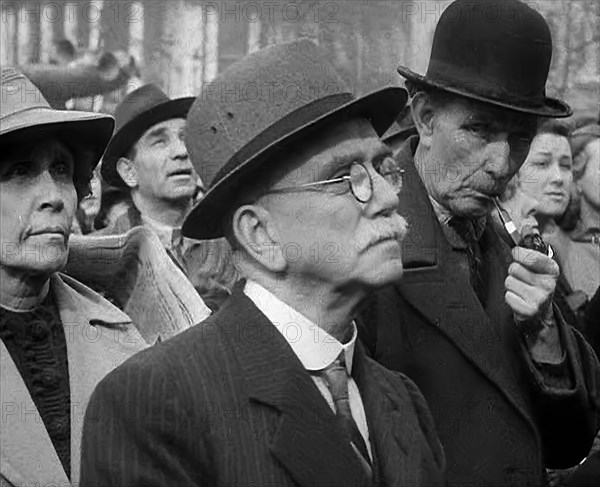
x,y
551,174
581,252
547,175
560,164
539,195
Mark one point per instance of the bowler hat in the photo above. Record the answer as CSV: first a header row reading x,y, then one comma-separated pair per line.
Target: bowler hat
x,y
494,51
267,99
139,110
24,109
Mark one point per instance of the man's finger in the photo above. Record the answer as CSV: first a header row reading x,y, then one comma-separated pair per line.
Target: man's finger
x,y
545,282
520,288
533,295
518,271
520,307
535,261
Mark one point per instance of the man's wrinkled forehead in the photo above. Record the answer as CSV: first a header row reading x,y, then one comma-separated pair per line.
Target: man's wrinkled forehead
x,y
162,128
474,111
331,150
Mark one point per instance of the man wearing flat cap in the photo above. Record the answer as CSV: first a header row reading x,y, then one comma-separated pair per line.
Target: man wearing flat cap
x,y
513,389
274,389
147,158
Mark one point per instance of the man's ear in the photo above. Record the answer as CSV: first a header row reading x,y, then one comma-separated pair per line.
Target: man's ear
x,y
254,229
423,115
127,169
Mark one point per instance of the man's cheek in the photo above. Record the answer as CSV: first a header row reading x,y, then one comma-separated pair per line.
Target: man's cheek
x,y
343,219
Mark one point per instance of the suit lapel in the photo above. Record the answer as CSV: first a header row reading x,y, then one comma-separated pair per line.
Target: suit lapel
x,y
92,350
390,443
307,442
433,284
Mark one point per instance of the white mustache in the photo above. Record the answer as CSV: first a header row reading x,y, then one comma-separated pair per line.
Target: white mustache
x,y
392,228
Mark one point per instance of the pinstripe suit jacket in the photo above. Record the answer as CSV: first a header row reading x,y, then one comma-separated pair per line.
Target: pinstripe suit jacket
x,y
227,403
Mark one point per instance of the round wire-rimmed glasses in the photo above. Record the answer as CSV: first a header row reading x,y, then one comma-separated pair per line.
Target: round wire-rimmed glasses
x,y
359,180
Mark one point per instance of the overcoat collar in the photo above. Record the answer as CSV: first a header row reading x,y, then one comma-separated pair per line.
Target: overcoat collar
x,y
99,337
307,442
433,284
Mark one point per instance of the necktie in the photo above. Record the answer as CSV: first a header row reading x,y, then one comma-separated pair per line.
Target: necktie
x,y
336,376
465,228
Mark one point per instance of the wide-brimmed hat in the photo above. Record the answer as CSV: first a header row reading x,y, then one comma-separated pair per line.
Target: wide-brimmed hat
x,y
23,109
494,51
139,110
267,99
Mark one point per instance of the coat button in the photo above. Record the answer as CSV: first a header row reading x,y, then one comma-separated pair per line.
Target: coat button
x,y
59,428
39,332
50,379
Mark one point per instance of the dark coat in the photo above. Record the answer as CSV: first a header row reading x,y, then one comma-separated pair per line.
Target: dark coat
x,y
500,425
228,403
588,474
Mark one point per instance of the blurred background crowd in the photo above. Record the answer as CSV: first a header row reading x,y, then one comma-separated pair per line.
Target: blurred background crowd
x,y
87,55
131,59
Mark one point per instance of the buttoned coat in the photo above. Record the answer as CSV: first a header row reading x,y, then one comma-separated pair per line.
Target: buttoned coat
x,y
228,403
99,337
499,422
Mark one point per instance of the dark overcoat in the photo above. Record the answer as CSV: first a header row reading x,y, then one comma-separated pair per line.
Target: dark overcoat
x,y
228,403
500,423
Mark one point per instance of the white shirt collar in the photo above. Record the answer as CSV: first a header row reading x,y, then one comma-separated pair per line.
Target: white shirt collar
x,y
315,348
443,215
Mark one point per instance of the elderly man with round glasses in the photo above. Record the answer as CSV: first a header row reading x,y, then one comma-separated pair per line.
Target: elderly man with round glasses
x,y
58,338
359,180
274,389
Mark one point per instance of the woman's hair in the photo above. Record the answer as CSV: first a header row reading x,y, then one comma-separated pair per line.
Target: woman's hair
x,y
569,218
554,127
579,139
549,126
584,133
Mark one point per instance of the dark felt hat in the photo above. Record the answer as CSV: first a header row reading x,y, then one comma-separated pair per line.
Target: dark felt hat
x,y
494,51
139,110
269,98
24,109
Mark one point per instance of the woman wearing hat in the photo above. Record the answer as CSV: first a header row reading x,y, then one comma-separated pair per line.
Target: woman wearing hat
x,y
58,338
